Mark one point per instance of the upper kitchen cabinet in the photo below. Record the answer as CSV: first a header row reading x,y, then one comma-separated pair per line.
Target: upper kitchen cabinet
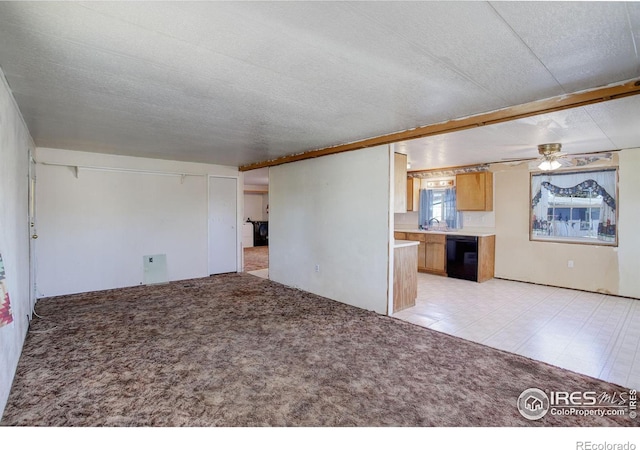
x,y
413,194
474,191
400,183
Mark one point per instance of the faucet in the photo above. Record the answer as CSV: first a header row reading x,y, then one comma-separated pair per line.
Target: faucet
x,y
428,223
438,227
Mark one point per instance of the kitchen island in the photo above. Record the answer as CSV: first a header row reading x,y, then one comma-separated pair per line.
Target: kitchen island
x,y
405,276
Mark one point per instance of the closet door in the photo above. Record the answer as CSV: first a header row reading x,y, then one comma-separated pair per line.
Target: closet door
x,y
223,239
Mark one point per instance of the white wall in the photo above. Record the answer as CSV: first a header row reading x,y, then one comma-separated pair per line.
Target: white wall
x,y
333,212
629,222
406,220
94,229
15,142
255,206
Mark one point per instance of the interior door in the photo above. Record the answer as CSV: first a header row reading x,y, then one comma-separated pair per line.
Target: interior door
x,y
223,217
33,232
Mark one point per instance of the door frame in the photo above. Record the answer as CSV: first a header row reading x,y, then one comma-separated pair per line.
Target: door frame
x,y
32,230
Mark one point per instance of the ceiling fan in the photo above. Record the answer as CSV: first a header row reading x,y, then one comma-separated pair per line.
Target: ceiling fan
x,y
551,158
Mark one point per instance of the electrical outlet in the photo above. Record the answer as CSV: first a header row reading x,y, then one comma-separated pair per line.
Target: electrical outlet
x,y
317,267
570,264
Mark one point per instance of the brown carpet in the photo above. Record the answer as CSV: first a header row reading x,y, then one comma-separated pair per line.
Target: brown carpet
x,y
238,350
256,258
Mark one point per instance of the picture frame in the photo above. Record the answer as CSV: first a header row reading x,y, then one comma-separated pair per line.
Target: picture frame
x,y
574,206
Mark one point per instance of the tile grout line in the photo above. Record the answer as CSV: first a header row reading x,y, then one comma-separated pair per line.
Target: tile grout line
x,y
528,309
517,314
618,339
480,317
533,334
604,299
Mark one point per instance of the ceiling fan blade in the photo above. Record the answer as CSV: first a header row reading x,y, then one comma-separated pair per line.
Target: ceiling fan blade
x,y
565,159
590,155
515,162
517,159
565,162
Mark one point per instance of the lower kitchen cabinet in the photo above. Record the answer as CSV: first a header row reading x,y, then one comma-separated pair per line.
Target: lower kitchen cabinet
x,y
486,258
431,252
435,254
405,276
420,237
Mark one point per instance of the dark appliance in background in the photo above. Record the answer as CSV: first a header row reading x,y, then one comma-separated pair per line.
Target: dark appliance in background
x,y
462,257
260,232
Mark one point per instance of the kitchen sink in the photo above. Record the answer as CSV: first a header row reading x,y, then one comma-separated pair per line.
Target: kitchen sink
x,y
440,229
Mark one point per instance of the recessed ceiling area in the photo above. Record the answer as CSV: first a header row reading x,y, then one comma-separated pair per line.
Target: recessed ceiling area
x,y
604,126
236,83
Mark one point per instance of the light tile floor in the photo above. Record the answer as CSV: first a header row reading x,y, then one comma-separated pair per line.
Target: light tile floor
x,y
262,273
589,333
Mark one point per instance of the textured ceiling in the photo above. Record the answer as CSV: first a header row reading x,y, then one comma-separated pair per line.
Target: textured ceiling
x,y
599,127
240,82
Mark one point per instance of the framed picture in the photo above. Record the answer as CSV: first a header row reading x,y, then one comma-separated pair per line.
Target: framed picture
x,y
577,206
5,304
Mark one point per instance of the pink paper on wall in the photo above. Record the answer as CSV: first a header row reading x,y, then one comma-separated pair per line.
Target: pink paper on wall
x,y
5,305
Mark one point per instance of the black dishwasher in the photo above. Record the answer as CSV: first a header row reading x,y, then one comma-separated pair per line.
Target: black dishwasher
x,y
462,257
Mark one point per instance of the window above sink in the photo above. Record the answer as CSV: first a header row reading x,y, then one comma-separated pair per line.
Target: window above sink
x,y
438,211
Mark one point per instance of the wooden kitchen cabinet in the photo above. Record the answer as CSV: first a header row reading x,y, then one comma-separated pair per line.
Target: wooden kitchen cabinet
x,y
416,237
474,191
400,235
486,258
420,237
400,183
432,257
435,254
405,277
413,194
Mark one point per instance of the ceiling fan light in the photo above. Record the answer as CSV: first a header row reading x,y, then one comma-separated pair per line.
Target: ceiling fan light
x,y
549,165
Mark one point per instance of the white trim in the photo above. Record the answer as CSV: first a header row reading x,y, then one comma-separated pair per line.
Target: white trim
x,y
391,238
32,227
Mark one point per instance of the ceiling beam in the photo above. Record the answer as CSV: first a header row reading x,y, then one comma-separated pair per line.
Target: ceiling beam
x,y
567,101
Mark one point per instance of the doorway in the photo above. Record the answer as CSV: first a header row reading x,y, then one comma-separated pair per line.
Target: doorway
x,y
255,218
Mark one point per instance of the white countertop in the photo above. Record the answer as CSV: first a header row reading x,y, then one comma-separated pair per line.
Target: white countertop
x,y
463,232
399,243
